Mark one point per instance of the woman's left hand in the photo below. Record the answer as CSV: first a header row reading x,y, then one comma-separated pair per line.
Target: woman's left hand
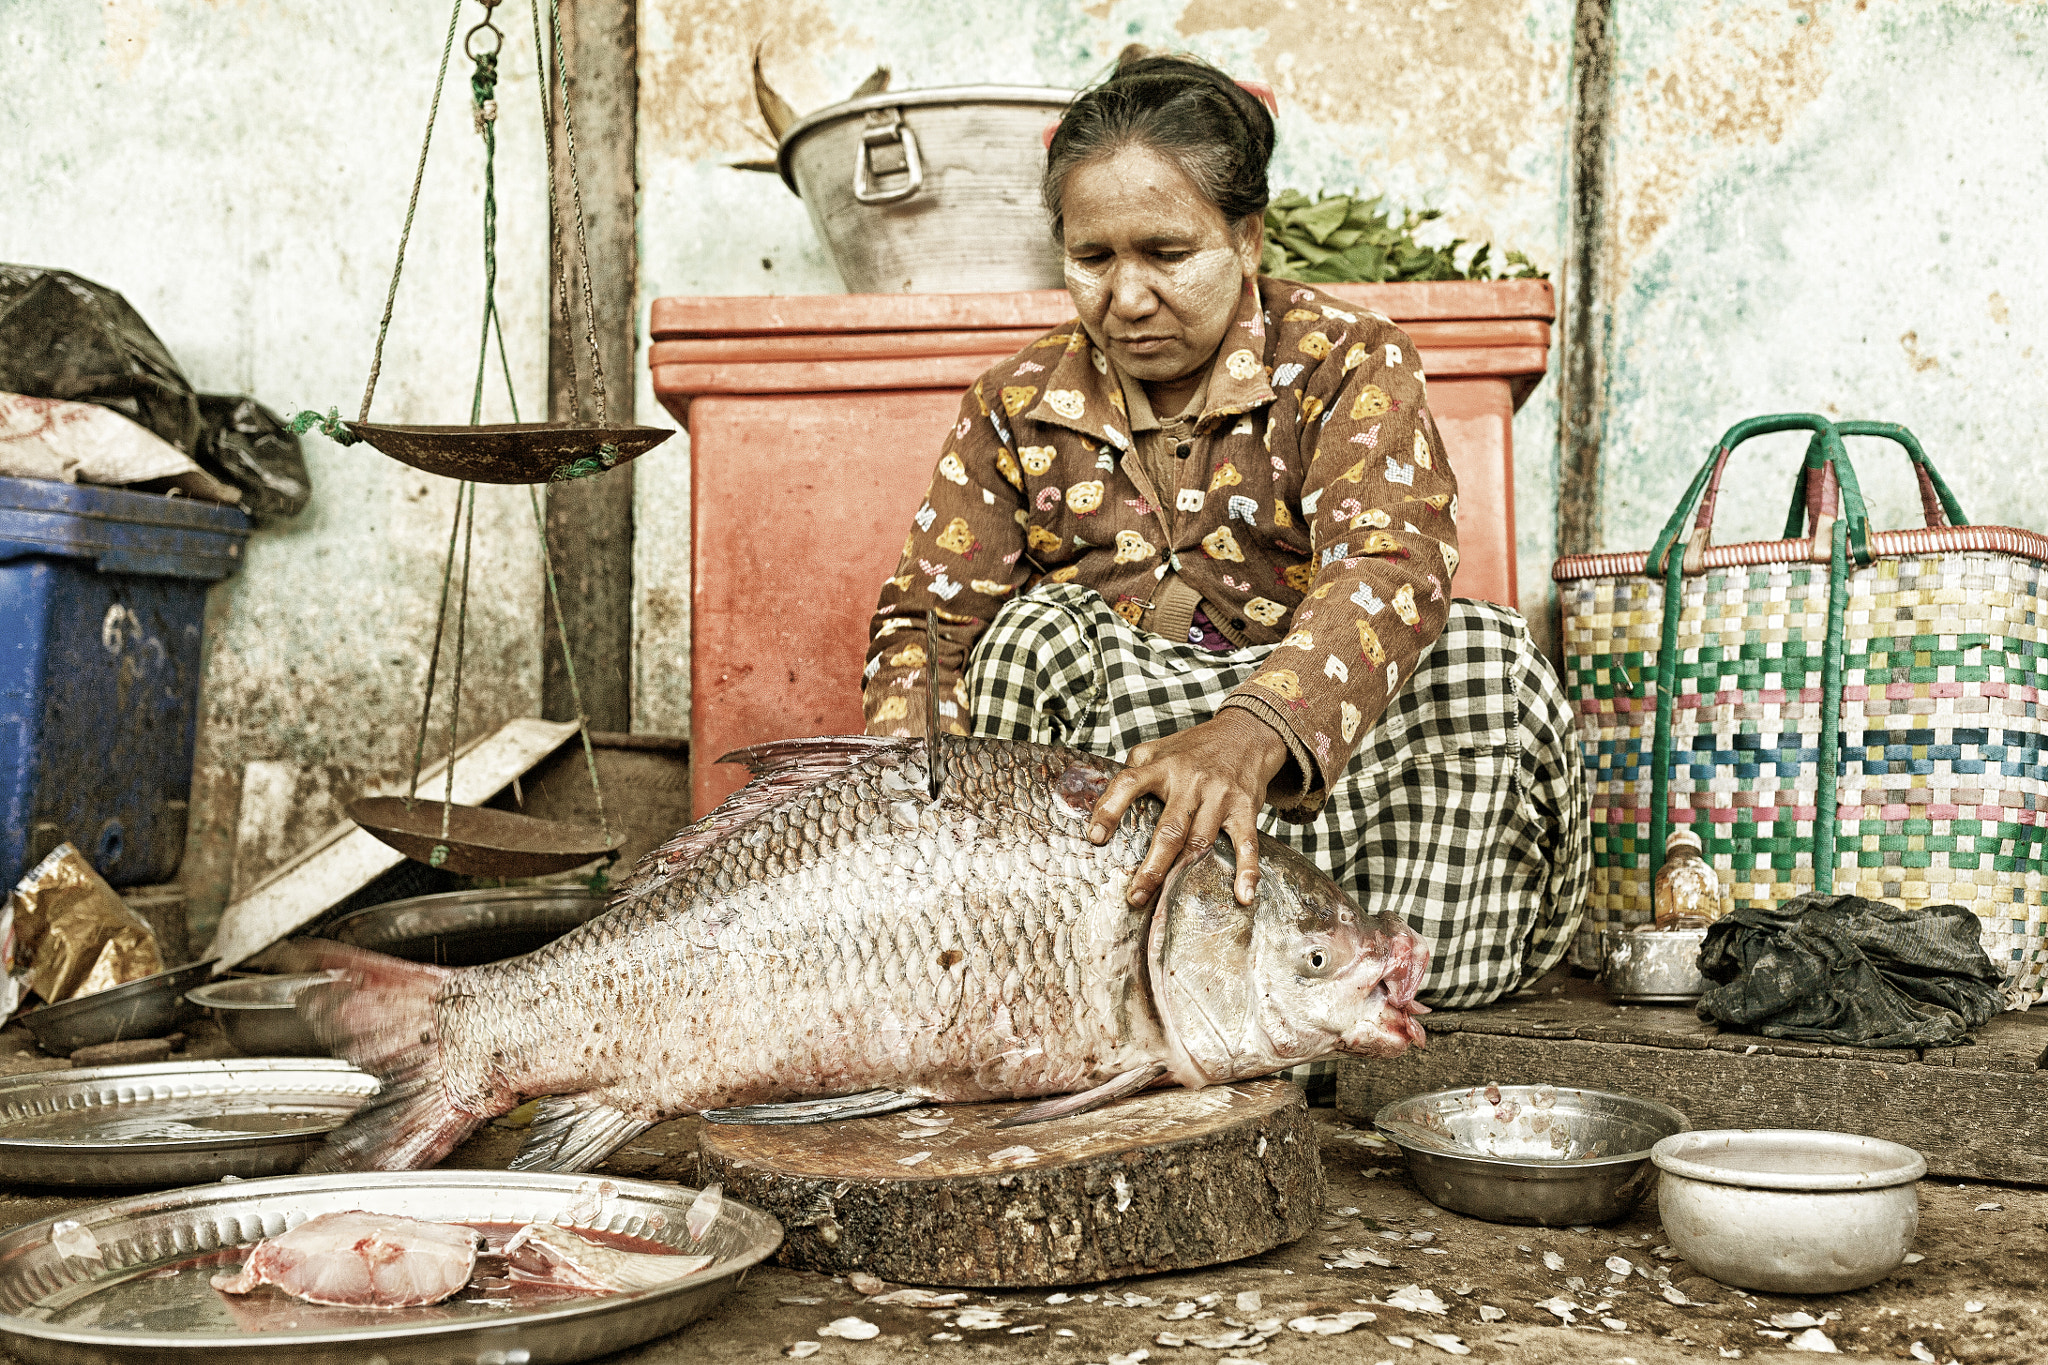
x,y
1213,778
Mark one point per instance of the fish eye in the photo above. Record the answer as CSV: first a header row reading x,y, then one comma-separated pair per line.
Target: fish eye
x,y
1318,960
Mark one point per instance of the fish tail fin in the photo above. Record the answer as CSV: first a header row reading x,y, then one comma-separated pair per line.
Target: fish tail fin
x,y
378,1014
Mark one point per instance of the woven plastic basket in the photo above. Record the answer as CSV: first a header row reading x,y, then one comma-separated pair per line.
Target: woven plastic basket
x,y
1889,679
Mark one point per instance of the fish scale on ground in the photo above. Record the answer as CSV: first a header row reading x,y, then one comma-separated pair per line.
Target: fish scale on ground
x,y
837,930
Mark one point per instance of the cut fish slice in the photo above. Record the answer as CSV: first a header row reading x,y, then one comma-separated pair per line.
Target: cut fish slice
x,y
361,1260
542,1253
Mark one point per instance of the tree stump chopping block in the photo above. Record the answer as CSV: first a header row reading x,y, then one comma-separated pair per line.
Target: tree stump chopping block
x,y
1167,1180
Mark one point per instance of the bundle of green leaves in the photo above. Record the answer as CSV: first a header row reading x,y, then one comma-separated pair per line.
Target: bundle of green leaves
x,y
1345,238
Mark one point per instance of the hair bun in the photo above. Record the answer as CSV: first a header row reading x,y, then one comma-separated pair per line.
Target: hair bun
x,y
1219,131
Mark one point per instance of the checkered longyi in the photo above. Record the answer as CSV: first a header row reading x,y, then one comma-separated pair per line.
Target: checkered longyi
x,y
1464,812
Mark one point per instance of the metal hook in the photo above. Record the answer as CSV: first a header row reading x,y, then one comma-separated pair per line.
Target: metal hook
x,y
496,32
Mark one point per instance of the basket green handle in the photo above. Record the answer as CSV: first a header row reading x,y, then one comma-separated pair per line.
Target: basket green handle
x,y
1937,504
1830,479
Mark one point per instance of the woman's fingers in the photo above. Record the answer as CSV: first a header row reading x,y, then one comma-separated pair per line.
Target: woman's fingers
x,y
1167,841
1191,835
1126,787
1242,825
1212,778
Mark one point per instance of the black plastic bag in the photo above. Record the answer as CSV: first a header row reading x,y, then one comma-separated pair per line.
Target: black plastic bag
x,y
66,337
250,447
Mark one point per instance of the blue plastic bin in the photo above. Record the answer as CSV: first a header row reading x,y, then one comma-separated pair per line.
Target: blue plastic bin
x,y
102,605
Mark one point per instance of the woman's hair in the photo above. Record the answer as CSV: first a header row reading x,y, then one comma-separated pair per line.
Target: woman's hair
x,y
1184,109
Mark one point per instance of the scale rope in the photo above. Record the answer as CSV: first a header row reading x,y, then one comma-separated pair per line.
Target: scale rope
x,y
484,111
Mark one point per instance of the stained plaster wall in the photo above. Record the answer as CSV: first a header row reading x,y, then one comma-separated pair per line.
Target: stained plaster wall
x,y
240,172
1459,106
1831,206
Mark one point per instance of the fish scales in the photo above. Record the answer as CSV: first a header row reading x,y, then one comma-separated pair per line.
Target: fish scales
x,y
1013,1016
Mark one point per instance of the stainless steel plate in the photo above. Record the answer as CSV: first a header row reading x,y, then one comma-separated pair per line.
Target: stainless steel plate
x,y
469,928
172,1123
148,1298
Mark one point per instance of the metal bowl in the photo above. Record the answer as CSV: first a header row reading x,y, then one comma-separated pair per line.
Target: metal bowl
x,y
259,1014
173,1123
466,928
147,1007
1653,966
1545,1155
1787,1210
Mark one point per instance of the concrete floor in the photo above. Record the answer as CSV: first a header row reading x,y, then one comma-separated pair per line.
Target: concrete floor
x,y
1993,1257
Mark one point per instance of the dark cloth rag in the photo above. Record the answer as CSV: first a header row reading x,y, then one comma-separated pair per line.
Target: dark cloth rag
x,y
1845,970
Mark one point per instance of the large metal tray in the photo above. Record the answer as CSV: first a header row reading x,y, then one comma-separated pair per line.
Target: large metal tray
x,y
468,928
172,1123
125,1307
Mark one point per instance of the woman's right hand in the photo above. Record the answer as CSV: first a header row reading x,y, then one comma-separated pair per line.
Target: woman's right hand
x,y
1213,778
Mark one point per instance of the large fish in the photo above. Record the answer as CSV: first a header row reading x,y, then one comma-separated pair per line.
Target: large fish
x,y
859,930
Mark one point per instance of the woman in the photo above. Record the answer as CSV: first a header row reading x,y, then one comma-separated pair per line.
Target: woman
x,y
1207,528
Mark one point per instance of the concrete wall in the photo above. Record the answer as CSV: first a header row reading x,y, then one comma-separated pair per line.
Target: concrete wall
x,y
1835,207
240,172
1832,205
1459,106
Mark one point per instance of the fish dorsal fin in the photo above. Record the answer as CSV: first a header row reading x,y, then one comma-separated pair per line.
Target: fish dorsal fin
x,y
783,770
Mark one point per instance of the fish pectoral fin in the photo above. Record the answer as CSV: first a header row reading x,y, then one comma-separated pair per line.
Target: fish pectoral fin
x,y
864,1105
574,1133
1061,1106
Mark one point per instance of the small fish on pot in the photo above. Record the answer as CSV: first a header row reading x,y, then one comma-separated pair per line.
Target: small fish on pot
x,y
872,925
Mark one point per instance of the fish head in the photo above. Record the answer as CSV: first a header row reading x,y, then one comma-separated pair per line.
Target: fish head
x,y
1300,973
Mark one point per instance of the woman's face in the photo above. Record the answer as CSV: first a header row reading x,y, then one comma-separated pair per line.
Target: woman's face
x,y
1155,269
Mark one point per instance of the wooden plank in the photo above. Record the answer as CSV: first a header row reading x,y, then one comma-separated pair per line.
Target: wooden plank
x,y
1487,334
1972,1124
889,374
590,521
757,315
839,346
1563,1005
345,859
1165,1181
1445,300
674,379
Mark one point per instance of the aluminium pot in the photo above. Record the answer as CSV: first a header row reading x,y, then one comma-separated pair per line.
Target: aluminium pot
x,y
930,191
1653,966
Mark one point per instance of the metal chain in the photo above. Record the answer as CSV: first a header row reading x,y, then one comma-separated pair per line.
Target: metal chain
x,y
483,85
411,207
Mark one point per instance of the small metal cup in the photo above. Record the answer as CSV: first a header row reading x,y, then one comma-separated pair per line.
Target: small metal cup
x,y
1653,966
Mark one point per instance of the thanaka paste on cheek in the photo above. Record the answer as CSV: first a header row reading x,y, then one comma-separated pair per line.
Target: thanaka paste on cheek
x,y
1204,289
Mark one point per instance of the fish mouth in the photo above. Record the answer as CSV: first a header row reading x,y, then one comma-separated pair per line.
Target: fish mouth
x,y
1392,1023
1388,1030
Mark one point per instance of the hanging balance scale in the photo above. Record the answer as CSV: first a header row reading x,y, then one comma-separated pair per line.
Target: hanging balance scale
x,y
466,839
